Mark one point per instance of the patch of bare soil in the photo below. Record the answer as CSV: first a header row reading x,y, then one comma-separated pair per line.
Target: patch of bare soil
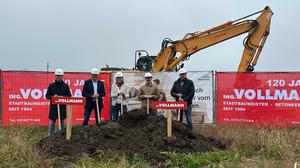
x,y
136,133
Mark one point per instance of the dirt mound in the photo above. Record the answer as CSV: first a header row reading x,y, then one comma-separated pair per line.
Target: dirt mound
x,y
137,132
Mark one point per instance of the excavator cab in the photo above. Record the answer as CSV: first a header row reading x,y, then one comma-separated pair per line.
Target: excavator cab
x,y
143,61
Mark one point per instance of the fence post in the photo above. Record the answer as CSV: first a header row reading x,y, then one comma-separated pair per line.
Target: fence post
x,y
0,98
214,84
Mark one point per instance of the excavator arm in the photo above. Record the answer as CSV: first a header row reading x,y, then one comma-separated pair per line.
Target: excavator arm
x,y
173,53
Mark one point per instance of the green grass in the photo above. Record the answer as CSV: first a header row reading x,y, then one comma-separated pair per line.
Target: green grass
x,y
111,161
211,159
16,147
259,147
247,147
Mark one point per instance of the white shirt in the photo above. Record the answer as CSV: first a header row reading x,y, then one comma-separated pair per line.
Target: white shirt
x,y
95,86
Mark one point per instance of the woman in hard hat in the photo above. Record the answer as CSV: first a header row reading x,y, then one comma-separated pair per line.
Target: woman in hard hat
x,y
57,88
119,96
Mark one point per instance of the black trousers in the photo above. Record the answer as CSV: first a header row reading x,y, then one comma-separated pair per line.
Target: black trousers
x,y
88,111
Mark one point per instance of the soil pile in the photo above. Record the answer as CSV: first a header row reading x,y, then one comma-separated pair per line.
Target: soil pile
x,y
136,132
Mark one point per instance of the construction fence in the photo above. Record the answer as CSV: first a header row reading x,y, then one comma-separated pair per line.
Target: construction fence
x,y
261,98
24,102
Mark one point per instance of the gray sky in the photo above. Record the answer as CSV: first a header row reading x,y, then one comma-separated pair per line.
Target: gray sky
x,y
77,35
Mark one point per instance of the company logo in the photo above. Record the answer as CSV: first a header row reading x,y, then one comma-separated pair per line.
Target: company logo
x,y
169,105
68,100
267,94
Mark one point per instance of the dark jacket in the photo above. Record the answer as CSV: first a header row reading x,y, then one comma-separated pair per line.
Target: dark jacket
x,y
187,90
60,89
148,90
88,91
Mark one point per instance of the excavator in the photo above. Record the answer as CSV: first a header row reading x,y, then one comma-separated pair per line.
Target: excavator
x,y
174,53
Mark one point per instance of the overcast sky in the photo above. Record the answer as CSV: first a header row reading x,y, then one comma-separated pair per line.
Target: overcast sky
x,y
78,35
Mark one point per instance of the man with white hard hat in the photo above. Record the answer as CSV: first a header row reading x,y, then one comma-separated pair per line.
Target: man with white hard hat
x,y
148,91
183,90
119,96
93,90
57,88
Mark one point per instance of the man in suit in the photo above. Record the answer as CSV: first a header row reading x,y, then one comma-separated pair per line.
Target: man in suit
x,y
93,90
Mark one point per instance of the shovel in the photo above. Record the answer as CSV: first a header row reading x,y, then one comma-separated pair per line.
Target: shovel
x,y
58,113
97,104
148,105
122,110
122,105
178,117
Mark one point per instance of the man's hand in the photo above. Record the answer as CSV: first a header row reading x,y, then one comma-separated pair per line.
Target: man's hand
x,y
122,94
95,95
179,95
148,96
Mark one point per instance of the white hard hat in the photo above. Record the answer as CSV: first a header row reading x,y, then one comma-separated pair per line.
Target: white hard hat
x,y
119,75
148,74
95,71
182,71
59,71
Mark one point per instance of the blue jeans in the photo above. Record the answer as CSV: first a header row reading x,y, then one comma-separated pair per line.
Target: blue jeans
x,y
188,115
52,127
116,110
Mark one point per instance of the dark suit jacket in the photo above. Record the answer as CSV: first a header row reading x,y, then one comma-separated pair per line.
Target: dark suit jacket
x,y
88,91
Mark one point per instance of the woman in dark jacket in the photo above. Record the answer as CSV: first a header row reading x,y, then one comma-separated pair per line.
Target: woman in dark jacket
x,y
57,88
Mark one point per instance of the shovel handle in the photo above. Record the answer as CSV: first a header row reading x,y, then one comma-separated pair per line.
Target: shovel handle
x,y
148,105
122,110
98,113
58,114
179,111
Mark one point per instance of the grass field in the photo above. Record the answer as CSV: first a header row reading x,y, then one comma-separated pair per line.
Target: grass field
x,y
247,147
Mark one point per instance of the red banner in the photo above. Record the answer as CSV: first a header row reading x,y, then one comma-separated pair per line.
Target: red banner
x,y
169,105
258,98
0,98
24,102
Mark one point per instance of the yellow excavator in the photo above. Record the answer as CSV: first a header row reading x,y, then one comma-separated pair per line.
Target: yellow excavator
x,y
173,53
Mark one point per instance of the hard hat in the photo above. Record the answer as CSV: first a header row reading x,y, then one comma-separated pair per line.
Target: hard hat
x,y
119,75
148,74
59,72
95,71
182,71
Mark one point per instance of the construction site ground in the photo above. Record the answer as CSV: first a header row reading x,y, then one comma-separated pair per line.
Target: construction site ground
x,y
135,133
